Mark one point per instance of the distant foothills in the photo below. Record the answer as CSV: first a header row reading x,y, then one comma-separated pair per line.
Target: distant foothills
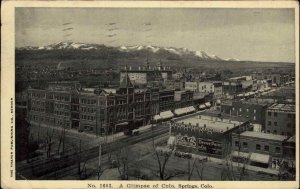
x,y
68,52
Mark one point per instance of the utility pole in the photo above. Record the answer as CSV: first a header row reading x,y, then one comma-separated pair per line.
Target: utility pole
x,y
99,161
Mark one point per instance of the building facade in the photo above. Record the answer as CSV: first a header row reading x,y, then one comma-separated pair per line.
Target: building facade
x,y
261,149
280,119
99,111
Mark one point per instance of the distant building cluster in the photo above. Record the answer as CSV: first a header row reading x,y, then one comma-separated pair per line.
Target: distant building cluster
x,y
250,117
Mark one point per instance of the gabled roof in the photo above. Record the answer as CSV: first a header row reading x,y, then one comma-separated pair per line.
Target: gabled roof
x,y
126,83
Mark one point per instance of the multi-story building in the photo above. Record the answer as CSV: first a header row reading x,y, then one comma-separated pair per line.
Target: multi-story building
x,y
99,111
232,87
205,134
280,119
275,78
166,100
192,86
252,109
218,90
260,149
142,76
183,99
206,87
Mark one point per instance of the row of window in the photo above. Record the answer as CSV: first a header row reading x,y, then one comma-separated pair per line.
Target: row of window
x,y
258,147
37,103
37,109
62,106
37,95
247,110
88,117
88,101
61,113
275,114
87,109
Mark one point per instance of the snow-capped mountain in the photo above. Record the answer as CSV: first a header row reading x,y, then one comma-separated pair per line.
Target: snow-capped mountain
x,y
178,52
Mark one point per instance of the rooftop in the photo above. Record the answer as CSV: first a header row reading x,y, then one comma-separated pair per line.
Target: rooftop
x,y
283,107
211,122
267,136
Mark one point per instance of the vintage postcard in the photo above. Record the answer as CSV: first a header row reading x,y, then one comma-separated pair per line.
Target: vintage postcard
x,y
149,95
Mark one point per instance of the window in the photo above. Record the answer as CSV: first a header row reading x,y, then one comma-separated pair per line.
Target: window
x,y
257,146
237,143
240,109
254,110
245,144
269,113
277,150
266,148
254,118
247,110
275,114
275,123
275,132
269,123
289,125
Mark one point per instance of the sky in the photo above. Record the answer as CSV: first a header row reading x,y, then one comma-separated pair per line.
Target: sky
x,y
245,34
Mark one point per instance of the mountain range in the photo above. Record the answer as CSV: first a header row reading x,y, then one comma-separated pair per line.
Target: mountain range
x,y
138,50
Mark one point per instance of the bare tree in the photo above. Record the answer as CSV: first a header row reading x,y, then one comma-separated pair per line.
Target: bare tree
x,y
81,168
122,156
162,157
49,142
62,138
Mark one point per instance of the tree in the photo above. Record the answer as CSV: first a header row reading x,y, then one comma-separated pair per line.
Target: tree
x,y
162,155
122,156
49,142
81,168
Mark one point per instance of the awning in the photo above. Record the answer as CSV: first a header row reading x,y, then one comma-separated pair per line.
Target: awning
x,y
171,140
122,124
240,154
157,117
260,158
191,108
202,106
207,104
179,111
166,115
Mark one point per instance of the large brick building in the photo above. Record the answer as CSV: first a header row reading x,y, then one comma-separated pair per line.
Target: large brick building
x,y
280,119
98,111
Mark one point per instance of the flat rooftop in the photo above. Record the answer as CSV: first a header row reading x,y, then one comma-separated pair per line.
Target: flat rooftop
x,y
267,136
211,122
283,107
